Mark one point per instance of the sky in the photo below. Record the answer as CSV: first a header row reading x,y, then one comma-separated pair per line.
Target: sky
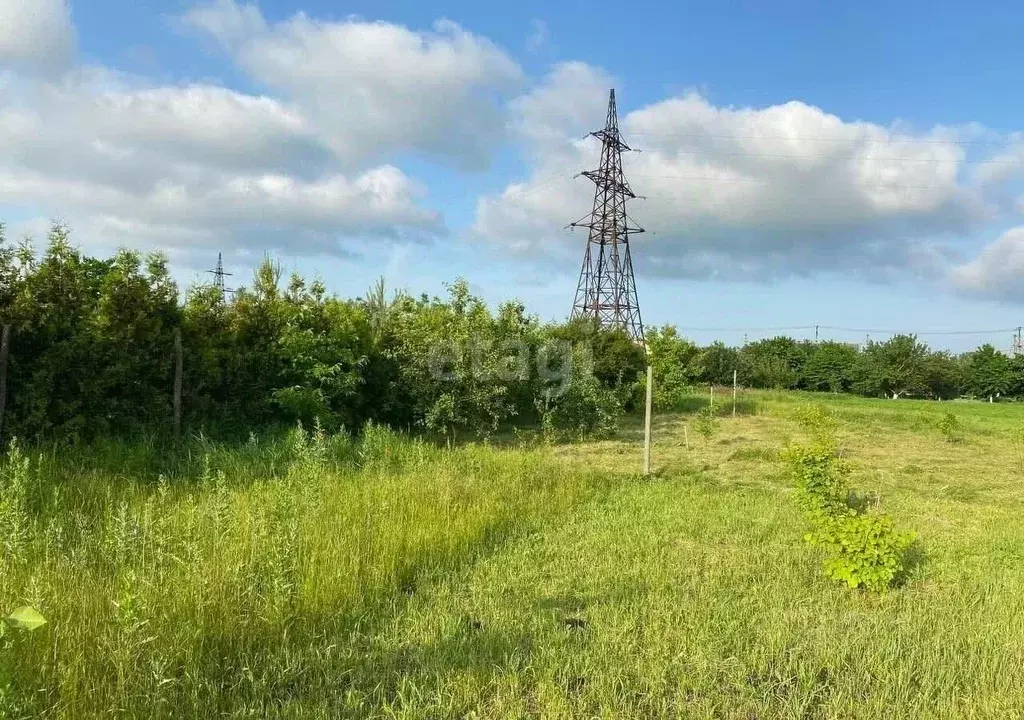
x,y
853,168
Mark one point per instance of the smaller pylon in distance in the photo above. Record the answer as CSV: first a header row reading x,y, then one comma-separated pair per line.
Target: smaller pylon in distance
x,y
219,274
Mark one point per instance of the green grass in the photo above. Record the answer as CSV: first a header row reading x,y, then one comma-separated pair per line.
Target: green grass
x,y
387,578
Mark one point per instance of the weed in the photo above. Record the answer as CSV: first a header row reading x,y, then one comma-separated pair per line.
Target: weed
x,y
706,423
951,428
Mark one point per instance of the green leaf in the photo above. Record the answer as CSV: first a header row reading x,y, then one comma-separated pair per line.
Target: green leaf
x,y
26,618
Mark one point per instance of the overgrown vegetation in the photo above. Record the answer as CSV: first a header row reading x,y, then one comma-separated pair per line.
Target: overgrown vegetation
x,y
862,546
321,575
92,344
216,578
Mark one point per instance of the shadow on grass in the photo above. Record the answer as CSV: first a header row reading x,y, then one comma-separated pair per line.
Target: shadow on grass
x,y
914,559
695,403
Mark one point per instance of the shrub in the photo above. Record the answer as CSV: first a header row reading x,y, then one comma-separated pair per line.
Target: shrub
x,y
706,423
863,548
584,407
950,428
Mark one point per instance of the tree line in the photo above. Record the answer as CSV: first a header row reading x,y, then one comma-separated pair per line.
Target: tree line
x,y
902,366
91,353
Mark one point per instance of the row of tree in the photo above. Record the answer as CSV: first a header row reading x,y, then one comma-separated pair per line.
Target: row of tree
x,y
92,352
901,366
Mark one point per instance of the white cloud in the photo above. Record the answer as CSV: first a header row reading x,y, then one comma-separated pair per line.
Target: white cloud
x,y
740,193
997,271
539,35
374,88
191,166
36,35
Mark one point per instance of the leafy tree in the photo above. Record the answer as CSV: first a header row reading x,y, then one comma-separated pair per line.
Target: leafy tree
x,y
989,372
675,363
893,368
830,366
617,360
774,363
717,363
944,375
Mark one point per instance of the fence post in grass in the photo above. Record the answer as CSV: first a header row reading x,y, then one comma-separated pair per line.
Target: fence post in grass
x,y
647,422
734,393
5,346
712,396
177,384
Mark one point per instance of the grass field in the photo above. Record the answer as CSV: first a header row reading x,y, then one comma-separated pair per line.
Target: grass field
x,y
386,578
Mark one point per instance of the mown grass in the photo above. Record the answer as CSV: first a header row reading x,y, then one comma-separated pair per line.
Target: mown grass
x,y
386,578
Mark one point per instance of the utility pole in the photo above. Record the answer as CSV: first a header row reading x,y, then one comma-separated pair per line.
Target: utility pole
x,y
606,290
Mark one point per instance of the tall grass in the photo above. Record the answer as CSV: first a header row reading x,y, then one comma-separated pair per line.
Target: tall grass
x,y
221,580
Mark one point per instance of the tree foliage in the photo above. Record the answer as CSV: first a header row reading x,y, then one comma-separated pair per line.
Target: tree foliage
x,y
93,339
92,354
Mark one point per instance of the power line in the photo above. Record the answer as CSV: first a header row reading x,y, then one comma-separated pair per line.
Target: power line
x,y
848,139
837,328
822,156
760,181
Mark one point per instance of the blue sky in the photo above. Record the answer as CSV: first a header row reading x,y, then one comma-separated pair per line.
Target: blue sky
x,y
806,164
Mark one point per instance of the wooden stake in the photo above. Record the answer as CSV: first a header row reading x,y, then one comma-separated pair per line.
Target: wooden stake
x,y
712,396
734,393
647,422
177,383
686,436
5,345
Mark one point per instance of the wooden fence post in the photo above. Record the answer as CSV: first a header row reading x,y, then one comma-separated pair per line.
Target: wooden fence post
x,y
177,384
647,422
734,393
5,346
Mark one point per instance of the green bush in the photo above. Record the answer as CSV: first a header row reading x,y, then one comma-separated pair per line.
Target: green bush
x,y
950,428
583,408
706,423
863,548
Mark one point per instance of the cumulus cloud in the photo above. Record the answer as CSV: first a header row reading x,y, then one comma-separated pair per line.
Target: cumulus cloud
x,y
741,192
188,166
374,88
36,35
178,165
997,271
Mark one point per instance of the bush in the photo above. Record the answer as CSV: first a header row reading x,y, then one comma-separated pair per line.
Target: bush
x,y
863,548
950,428
706,423
583,408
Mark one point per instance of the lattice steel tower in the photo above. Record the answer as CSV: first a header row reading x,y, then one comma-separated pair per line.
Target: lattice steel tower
x,y
607,290
219,274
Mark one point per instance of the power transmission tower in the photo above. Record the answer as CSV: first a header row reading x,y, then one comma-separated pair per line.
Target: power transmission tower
x,y
607,289
1018,343
219,274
